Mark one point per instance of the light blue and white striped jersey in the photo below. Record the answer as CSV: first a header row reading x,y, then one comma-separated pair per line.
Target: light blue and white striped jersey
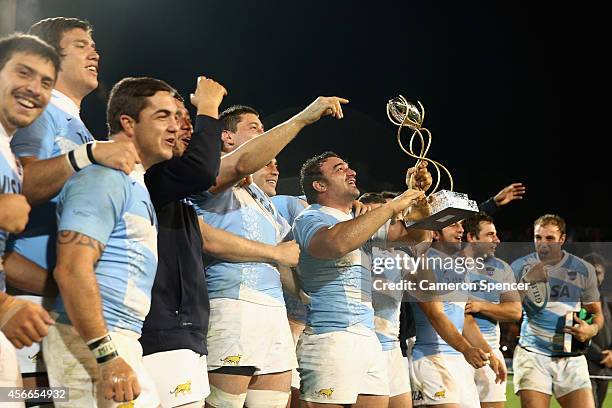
x,y
57,131
249,213
116,210
11,175
428,341
387,302
289,208
572,282
340,289
495,271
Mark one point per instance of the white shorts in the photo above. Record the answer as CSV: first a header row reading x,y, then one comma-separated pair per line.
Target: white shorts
x,y
30,358
296,329
443,379
10,376
179,375
484,377
556,376
398,372
245,334
71,364
336,367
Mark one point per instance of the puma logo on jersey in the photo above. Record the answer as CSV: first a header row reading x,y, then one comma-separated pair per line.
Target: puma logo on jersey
x,y
325,392
232,360
184,388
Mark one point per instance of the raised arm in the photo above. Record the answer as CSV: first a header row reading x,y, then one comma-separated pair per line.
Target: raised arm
x,y
344,237
197,168
257,152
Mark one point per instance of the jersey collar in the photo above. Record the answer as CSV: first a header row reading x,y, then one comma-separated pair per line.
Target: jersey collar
x,y
63,102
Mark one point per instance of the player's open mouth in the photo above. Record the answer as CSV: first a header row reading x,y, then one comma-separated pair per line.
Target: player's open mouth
x,y
27,103
92,68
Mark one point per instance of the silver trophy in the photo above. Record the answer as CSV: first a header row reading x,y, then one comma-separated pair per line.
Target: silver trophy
x,y
447,206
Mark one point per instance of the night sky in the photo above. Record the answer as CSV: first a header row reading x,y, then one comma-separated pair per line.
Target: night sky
x,y
494,77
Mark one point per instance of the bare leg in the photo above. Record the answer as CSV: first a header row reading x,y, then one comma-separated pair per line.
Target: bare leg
x,y
582,398
534,399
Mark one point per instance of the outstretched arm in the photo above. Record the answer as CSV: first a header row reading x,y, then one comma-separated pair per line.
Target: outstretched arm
x,y
257,152
346,236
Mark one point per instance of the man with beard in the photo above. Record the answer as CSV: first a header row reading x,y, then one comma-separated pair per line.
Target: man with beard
x,y
340,357
174,331
447,340
52,149
28,70
489,307
542,365
247,312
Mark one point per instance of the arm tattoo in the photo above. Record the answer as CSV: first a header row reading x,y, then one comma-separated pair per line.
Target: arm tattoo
x,y
71,237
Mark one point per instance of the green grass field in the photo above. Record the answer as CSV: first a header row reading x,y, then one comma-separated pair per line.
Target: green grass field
x,y
514,402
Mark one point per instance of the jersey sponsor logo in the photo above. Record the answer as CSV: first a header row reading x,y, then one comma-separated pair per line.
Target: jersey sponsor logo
x,y
572,275
417,396
232,360
325,392
9,185
440,394
559,291
184,388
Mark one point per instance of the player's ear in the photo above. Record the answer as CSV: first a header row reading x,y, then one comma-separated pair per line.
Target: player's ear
x,y
319,186
127,124
227,138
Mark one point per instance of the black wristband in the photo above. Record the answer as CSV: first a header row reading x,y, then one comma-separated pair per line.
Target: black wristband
x,y
103,349
72,161
90,154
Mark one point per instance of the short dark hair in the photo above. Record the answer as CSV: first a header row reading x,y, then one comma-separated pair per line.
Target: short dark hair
x,y
52,29
129,97
372,198
551,219
471,225
27,44
310,172
231,116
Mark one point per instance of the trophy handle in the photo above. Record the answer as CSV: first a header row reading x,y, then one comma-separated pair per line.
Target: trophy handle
x,y
424,149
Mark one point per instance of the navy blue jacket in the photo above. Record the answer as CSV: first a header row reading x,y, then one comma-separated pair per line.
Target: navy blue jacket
x,y
178,318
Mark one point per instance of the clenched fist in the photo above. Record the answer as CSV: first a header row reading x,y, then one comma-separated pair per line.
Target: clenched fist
x,y
288,253
23,322
208,96
14,211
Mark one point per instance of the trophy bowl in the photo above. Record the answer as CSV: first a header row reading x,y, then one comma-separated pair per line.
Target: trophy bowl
x,y
398,108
